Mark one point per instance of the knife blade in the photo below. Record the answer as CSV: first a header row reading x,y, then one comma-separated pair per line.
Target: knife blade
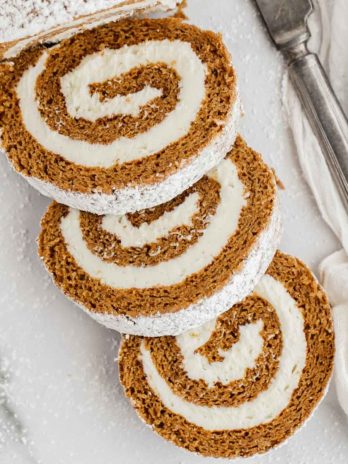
x,y
286,22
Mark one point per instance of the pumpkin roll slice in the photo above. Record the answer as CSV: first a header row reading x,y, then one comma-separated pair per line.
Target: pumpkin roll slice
x,y
244,382
166,269
120,117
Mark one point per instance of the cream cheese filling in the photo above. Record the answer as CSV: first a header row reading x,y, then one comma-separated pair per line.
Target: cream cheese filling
x,y
269,403
108,64
132,236
236,360
218,231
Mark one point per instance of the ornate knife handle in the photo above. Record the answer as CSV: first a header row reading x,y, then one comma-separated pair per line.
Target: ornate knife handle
x,y
324,113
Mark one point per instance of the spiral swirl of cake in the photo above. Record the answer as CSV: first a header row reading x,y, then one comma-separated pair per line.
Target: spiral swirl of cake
x,y
120,117
244,382
169,268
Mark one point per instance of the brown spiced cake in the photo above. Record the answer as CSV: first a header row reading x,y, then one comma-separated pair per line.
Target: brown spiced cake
x,y
164,270
244,382
121,116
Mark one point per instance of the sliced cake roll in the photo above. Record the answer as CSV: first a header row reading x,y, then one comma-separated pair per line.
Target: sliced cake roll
x,y
244,382
166,269
120,117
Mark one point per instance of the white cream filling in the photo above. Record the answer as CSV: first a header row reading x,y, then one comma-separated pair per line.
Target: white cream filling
x,y
100,67
241,356
91,107
269,403
215,236
132,236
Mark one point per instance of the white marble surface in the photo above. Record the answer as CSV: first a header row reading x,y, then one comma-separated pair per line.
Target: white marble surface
x,y
60,401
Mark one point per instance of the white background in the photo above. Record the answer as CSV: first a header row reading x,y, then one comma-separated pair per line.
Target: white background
x,y
60,401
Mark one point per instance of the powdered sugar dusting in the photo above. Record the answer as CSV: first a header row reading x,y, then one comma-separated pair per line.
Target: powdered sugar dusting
x,y
64,30
22,18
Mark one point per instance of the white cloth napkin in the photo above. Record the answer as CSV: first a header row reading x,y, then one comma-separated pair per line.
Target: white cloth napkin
x,y
331,23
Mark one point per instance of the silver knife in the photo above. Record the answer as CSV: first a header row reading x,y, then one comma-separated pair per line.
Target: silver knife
x,y
286,21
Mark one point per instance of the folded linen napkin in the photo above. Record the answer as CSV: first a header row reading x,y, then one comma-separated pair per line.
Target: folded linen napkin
x,y
331,21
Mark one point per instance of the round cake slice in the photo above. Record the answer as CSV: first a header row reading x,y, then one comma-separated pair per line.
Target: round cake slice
x,y
166,269
120,117
244,382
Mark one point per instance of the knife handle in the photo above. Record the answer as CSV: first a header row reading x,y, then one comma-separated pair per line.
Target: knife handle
x,y
325,115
